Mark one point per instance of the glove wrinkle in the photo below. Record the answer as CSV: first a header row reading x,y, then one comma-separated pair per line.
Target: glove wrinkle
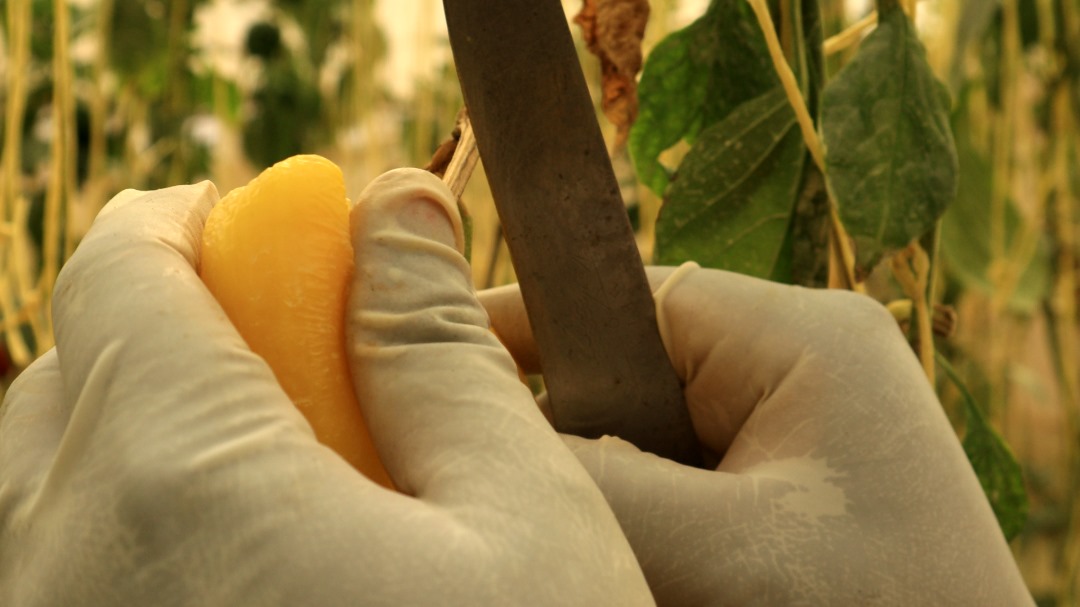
x,y
83,418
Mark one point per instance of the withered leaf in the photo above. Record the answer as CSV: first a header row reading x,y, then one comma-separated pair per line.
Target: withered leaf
x,y
613,30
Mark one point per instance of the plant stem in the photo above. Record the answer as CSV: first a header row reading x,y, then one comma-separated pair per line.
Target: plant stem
x,y
787,36
424,93
845,257
175,90
930,244
18,30
61,186
789,82
850,36
493,258
464,161
1003,130
1064,311
1002,159
912,270
806,124
98,102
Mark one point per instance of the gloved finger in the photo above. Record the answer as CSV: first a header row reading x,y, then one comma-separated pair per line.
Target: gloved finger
x,y
442,396
733,339
147,353
689,528
121,200
825,528
510,321
32,421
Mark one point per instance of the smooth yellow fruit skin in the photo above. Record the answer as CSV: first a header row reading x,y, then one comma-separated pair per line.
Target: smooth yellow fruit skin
x,y
278,257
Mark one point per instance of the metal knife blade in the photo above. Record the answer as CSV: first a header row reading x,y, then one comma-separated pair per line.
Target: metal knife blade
x,y
566,226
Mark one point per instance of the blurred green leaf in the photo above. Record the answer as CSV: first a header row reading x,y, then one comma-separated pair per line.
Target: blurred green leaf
x,y
693,79
965,243
286,116
208,91
324,22
731,201
138,45
999,473
42,26
891,160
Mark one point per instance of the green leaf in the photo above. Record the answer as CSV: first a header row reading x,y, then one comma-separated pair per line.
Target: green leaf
x,y
284,115
138,46
731,201
999,473
965,243
693,79
891,162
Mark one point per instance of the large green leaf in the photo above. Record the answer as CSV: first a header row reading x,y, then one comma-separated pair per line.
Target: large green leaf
x,y
999,473
693,79
731,201
890,157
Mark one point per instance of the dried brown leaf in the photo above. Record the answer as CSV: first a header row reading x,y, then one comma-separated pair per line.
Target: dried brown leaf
x,y
440,160
613,30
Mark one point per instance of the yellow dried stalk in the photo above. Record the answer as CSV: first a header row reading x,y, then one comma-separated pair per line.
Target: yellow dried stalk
x,y
850,36
61,179
19,23
838,239
911,267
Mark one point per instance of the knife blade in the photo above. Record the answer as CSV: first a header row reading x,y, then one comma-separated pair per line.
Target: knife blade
x,y
566,227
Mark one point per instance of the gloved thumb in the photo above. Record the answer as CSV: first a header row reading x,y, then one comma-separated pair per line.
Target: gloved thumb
x,y
684,524
429,374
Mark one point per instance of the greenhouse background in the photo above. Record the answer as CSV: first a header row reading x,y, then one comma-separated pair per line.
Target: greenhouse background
x,y
104,95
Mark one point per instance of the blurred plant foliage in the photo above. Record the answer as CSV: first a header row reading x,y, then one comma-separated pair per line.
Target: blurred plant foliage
x,y
947,124
101,95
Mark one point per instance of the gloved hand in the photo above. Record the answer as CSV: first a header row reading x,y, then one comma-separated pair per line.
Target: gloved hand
x,y
841,481
152,459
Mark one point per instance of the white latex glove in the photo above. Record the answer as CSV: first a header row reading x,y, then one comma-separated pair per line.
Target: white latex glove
x,y
841,481
152,459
